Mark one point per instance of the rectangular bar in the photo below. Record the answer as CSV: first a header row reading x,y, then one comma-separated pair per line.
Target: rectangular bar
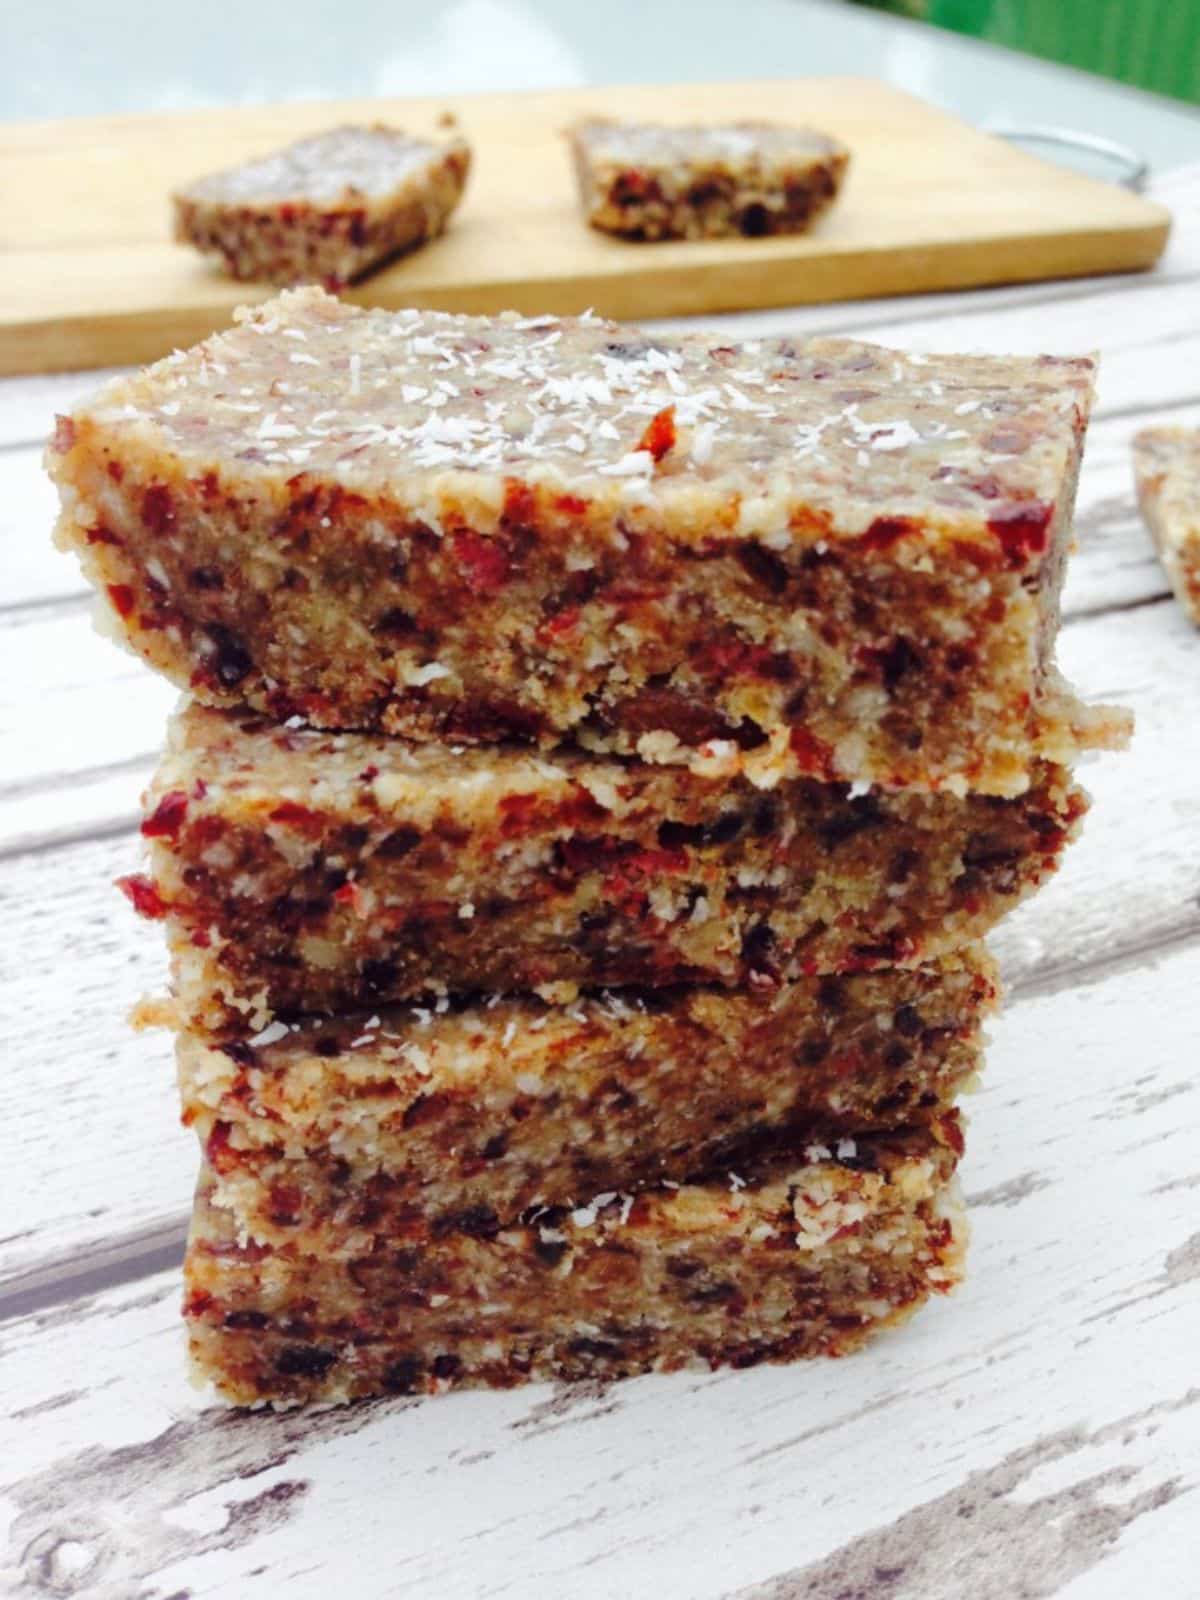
x,y
648,181
325,209
801,1260
410,1123
819,558
301,871
1166,463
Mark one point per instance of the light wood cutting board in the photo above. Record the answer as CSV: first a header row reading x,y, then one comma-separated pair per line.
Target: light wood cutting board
x,y
90,277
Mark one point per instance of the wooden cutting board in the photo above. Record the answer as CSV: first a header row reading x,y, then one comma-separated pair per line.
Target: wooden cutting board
x,y
89,275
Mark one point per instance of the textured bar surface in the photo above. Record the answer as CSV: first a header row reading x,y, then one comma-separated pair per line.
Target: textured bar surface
x,y
1166,465
822,558
406,1121
302,871
801,1260
644,181
327,208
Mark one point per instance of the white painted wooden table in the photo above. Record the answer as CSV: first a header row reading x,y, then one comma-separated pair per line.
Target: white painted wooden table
x,y
1037,1435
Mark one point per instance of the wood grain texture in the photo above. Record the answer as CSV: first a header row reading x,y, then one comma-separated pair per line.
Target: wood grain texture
x,y
1038,1435
930,203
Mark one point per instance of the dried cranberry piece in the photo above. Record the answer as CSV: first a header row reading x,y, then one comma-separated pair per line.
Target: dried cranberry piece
x,y
143,895
1022,530
165,821
813,757
484,562
885,531
158,508
122,597
660,436
572,505
520,503
102,535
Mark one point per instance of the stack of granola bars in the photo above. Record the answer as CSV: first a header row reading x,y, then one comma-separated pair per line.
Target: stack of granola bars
x,y
607,753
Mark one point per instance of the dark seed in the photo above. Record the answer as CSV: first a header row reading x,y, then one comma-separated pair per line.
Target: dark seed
x,y
232,662
403,1376
303,1361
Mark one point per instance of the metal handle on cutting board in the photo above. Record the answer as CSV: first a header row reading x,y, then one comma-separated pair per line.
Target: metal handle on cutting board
x,y
1133,169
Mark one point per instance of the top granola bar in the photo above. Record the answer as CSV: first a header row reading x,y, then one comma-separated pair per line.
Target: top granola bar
x,y
816,557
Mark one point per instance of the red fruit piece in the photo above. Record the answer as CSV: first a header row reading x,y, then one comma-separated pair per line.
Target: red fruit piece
x,y
165,821
483,561
101,535
1022,530
291,815
812,754
520,503
158,508
572,505
122,597
142,895
221,1158
884,532
660,434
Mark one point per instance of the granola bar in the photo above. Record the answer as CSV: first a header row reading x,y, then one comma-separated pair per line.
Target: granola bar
x,y
406,1121
802,1259
645,181
819,557
326,209
1166,464
303,871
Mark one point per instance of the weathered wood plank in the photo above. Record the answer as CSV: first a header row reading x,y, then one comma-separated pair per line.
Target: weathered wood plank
x,y
1011,1417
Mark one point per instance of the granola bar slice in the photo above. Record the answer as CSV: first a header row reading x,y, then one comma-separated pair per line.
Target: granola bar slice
x,y
806,1258
303,871
327,208
1166,463
647,181
407,1121
816,557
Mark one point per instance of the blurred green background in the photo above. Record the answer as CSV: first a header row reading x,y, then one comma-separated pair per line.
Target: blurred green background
x,y
1153,44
